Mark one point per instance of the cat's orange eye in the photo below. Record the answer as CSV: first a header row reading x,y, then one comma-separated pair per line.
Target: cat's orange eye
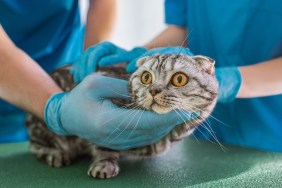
x,y
179,79
146,78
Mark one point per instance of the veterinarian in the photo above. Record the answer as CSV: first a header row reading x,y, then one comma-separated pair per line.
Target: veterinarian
x,y
39,36
245,39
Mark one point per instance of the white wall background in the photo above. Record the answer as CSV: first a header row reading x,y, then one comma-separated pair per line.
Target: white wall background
x,y
137,21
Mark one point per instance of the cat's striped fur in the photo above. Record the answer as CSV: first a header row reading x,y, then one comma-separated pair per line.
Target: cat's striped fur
x,y
200,94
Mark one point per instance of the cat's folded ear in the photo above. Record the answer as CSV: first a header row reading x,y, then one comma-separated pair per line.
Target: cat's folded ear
x,y
205,63
142,60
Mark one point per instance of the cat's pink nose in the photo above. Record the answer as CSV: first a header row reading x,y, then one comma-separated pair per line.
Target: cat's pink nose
x,y
155,91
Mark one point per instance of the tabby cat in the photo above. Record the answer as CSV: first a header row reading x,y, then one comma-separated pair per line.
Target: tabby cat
x,y
162,83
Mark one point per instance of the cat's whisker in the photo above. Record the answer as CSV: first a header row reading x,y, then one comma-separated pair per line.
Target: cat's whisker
x,y
117,109
120,108
188,113
185,122
118,126
128,96
135,113
198,129
135,124
190,38
214,136
198,109
110,112
132,108
183,42
211,132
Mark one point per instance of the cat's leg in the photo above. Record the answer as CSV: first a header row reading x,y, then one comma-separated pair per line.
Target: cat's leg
x,y
152,150
181,131
105,163
50,148
52,156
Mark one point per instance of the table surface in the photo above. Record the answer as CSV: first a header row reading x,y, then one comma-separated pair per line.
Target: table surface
x,y
188,164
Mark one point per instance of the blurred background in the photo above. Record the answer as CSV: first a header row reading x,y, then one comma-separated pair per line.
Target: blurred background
x,y
137,21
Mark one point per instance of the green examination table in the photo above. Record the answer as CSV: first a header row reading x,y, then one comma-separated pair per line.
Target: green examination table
x,y
188,164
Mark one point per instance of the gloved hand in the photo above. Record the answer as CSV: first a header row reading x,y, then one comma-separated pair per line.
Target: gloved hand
x,y
102,54
229,79
131,67
88,112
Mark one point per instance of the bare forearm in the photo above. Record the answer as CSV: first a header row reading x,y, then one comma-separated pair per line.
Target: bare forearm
x,y
171,36
100,19
22,81
261,79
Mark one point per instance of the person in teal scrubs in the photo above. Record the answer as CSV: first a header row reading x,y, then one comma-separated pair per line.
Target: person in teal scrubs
x,y
239,35
245,39
38,36
51,33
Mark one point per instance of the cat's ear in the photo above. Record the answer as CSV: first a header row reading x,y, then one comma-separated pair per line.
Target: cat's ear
x,y
142,60
206,63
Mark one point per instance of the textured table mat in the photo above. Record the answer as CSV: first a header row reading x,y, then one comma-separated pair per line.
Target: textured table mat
x,y
188,164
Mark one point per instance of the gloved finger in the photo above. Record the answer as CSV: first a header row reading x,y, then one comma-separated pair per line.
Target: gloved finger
x,y
152,120
93,55
131,67
88,61
74,72
149,136
111,60
124,143
119,139
140,141
102,87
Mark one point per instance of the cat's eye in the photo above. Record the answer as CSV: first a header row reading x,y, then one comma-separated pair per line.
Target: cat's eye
x,y
146,78
179,79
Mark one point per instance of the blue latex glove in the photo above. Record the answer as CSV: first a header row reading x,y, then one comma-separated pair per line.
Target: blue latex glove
x,y
88,112
131,67
229,79
102,54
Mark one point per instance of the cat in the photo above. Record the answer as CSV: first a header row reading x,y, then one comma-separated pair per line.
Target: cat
x,y
161,83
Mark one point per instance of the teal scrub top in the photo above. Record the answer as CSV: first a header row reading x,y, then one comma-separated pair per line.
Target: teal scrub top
x,y
48,31
236,33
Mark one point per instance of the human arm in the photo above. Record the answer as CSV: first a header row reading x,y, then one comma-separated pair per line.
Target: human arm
x,y
100,19
262,79
22,81
171,36
112,54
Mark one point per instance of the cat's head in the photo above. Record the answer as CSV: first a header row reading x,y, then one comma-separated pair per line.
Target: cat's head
x,y
169,81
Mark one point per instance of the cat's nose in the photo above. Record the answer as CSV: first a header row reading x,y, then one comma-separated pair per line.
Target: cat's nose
x,y
155,90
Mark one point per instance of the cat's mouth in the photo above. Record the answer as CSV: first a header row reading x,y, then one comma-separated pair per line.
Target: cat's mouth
x,y
159,108
155,103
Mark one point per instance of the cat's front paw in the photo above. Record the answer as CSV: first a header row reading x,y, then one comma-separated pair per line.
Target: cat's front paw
x,y
103,169
55,159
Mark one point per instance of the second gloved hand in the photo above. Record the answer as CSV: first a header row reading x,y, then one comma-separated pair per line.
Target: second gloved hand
x,y
88,113
102,54
131,67
229,79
